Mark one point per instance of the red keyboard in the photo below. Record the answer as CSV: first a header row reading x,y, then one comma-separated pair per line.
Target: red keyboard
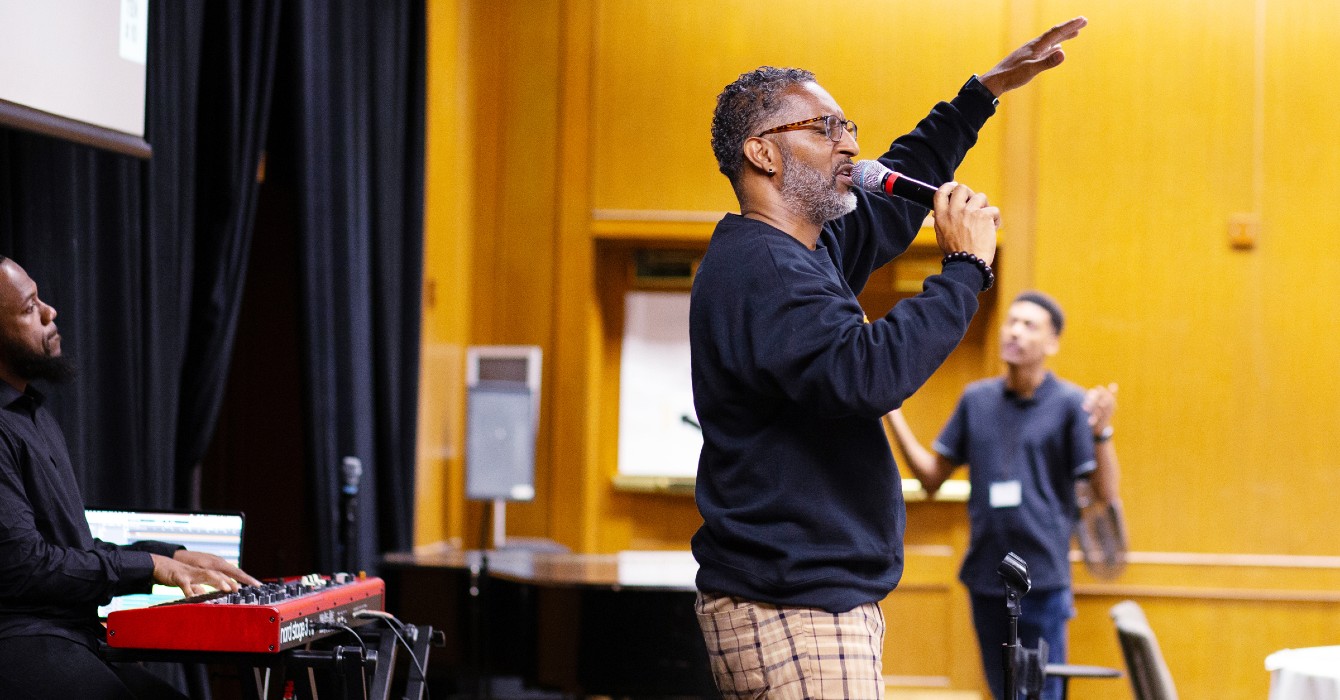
x,y
267,618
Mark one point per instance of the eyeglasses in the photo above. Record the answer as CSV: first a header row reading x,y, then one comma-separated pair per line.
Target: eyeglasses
x,y
833,127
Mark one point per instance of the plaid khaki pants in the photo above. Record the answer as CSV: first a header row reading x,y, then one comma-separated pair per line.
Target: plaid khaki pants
x,y
766,651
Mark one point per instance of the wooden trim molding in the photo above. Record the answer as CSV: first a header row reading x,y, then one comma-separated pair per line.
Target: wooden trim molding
x,y
1272,578
676,215
1270,561
953,491
684,225
1193,593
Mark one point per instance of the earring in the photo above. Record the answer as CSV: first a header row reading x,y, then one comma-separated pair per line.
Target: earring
x,y
771,171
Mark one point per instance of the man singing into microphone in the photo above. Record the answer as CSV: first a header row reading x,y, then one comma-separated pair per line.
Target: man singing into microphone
x,y
801,502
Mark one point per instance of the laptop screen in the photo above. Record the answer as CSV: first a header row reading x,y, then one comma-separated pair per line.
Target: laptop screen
x,y
216,533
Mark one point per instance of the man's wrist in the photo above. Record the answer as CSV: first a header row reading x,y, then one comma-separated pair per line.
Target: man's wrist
x,y
988,276
1103,435
977,87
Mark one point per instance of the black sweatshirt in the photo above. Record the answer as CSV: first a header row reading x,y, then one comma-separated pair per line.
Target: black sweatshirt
x,y
801,500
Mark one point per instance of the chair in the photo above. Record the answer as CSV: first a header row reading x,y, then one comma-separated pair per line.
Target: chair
x,y
1068,671
1150,679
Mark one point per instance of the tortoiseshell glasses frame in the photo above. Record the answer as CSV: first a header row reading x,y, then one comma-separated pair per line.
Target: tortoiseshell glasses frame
x,y
833,126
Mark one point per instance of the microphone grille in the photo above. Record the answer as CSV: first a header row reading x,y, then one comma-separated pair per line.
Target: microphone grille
x,y
352,468
869,175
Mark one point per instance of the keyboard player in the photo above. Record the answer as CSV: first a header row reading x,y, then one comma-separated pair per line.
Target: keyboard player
x,y
53,574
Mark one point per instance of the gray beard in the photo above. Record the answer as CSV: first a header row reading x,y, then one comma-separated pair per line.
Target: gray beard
x,y
812,193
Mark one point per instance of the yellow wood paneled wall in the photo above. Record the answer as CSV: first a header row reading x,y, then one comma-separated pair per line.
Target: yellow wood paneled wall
x,y
564,134
491,231
449,184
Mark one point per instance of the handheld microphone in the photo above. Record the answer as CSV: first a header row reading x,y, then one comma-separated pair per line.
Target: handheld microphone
x,y
873,176
353,471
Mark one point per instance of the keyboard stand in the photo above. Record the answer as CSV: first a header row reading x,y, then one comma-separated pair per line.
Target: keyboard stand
x,y
419,638
347,672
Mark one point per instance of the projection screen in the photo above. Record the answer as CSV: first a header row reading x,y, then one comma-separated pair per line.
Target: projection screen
x,y
75,69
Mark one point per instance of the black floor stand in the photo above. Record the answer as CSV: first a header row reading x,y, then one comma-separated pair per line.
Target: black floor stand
x,y
1018,662
346,671
1031,665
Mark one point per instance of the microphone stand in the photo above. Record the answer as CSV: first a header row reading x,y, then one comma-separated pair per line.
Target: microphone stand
x,y
353,471
1011,646
479,655
1014,572
1034,662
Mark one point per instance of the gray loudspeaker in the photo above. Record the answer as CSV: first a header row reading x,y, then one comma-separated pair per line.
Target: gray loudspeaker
x,y
502,417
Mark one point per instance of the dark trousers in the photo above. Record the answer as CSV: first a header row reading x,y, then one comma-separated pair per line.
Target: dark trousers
x,y
40,668
1044,614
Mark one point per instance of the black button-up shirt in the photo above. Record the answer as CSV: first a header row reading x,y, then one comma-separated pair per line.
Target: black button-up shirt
x,y
53,574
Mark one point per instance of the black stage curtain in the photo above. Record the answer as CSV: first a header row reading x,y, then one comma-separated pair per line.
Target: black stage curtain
x,y
359,96
144,260
238,56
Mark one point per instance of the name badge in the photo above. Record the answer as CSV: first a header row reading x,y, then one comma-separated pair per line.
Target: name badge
x,y
1006,494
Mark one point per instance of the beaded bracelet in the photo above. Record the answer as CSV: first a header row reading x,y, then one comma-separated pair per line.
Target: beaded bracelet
x,y
988,277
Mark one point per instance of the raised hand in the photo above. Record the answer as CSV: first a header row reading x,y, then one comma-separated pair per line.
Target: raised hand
x,y
1026,62
1101,403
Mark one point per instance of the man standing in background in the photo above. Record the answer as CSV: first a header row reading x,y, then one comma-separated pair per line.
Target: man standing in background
x,y
1030,440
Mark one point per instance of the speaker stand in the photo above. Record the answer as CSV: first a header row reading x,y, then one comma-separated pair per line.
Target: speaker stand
x,y
499,523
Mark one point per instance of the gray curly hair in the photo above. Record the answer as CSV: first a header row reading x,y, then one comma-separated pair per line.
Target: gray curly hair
x,y
741,108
